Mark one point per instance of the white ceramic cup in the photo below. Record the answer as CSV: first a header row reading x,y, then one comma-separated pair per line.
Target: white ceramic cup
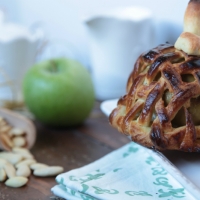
x,y
117,37
18,50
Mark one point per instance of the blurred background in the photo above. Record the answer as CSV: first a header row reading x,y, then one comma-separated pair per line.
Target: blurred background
x,y
62,20
64,29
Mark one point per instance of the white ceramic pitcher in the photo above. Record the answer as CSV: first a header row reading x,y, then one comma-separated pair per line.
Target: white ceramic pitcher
x,y
117,37
18,50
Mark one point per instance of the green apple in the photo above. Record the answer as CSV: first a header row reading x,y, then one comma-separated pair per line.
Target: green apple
x,y
59,92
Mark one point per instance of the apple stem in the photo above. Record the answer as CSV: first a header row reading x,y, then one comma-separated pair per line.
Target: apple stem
x,y
54,67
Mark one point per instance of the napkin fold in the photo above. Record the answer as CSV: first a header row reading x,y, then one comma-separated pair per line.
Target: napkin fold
x,y
129,173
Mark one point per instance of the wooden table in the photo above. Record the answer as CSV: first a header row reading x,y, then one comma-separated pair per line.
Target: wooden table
x,y
70,148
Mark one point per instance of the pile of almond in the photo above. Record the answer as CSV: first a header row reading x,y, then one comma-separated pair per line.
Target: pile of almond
x,y
17,165
11,136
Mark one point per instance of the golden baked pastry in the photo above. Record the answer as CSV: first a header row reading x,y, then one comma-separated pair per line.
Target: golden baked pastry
x,y
189,43
189,40
161,108
191,17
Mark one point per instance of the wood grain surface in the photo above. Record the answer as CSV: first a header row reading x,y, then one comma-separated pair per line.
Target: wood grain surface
x,y
70,148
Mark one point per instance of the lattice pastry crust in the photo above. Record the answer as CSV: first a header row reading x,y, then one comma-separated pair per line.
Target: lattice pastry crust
x,y
162,106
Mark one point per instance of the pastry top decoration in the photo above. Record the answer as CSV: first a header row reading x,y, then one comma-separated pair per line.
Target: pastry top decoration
x,y
189,40
192,17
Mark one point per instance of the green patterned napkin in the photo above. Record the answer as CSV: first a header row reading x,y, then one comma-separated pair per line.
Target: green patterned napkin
x,y
129,173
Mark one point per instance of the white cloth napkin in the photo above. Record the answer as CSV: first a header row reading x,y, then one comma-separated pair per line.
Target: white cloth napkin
x,y
129,173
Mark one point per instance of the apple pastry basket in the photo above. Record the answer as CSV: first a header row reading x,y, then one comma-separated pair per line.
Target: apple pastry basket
x,y
161,108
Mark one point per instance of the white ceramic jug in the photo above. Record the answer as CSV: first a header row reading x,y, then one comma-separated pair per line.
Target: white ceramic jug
x,y
18,50
1,16
117,37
